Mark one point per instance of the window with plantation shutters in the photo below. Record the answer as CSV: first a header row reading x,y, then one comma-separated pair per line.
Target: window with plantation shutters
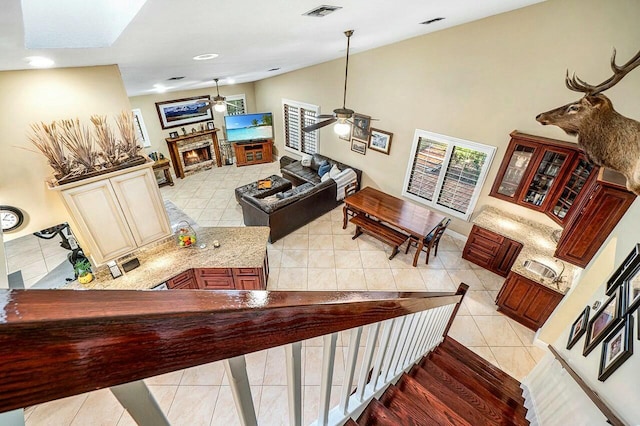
x,y
236,104
141,129
298,115
447,173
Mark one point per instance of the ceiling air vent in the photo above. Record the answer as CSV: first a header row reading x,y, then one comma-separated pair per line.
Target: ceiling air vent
x,y
431,21
274,69
321,11
175,78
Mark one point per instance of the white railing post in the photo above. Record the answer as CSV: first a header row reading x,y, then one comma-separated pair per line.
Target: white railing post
x,y
398,326
422,335
136,398
354,347
409,345
236,369
382,350
294,382
372,337
328,359
402,344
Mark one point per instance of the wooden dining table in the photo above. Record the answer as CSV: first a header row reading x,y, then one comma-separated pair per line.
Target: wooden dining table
x,y
415,220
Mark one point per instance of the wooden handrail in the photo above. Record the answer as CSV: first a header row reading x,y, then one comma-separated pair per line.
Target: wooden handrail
x,y
593,395
57,343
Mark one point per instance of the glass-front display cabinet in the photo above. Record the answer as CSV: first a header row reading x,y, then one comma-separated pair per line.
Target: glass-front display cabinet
x,y
544,179
581,172
516,168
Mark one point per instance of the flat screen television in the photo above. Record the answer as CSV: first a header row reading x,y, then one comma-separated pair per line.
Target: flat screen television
x,y
249,127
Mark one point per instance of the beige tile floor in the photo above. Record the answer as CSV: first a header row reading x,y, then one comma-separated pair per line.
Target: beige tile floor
x,y
319,256
34,256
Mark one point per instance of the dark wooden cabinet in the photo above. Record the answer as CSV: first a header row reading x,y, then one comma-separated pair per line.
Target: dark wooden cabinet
x,y
185,280
491,251
526,301
543,174
253,152
596,216
214,278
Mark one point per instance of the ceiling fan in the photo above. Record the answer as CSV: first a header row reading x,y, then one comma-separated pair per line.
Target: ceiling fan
x,y
219,102
340,115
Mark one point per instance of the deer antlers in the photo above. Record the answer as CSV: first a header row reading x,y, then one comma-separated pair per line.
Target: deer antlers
x,y
577,85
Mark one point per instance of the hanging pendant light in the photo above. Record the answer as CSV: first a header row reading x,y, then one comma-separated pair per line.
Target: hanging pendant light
x,y
219,101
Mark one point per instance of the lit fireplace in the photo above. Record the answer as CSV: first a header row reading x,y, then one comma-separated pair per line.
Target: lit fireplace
x,y
196,156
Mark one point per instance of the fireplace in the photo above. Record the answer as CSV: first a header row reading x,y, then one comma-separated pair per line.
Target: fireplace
x,y
194,152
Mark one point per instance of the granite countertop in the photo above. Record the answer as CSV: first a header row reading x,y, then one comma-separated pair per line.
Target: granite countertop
x,y
537,245
240,247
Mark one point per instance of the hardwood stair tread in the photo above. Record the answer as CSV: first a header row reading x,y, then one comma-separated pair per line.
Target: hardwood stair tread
x,y
376,414
472,378
481,398
414,415
426,399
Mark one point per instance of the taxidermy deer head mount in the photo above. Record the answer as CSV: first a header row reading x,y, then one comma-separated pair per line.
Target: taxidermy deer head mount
x,y
607,138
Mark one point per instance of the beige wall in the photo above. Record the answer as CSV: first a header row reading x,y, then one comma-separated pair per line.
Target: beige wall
x,y
46,95
157,135
478,82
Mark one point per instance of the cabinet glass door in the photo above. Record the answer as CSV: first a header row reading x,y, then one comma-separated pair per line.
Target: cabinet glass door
x,y
516,170
542,182
577,179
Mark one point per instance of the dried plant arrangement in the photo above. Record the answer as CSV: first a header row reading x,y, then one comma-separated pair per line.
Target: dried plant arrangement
x,y
106,141
47,140
129,142
78,141
76,153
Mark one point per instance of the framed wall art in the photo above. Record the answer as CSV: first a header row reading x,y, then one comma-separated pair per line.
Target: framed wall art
x,y
631,290
210,125
358,146
616,348
578,328
361,128
618,275
380,141
607,317
173,135
180,112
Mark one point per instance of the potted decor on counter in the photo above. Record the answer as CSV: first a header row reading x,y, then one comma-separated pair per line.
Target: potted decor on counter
x,y
82,269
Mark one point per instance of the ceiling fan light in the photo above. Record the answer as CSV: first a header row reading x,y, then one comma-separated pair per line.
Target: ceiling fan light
x,y
220,106
342,128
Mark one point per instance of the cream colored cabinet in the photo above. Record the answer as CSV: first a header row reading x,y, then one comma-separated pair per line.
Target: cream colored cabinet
x,y
118,212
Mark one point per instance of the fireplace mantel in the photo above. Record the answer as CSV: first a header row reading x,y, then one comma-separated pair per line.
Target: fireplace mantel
x,y
174,145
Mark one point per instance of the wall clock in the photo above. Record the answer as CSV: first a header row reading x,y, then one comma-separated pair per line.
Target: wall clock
x,y
11,218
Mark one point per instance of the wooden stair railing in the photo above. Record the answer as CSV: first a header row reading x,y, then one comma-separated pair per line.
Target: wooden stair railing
x,y
57,343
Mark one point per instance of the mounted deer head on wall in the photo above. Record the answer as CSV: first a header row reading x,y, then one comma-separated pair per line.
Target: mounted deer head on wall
x,y
607,138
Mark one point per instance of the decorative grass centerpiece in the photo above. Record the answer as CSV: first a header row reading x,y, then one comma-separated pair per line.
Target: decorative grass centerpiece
x,y
75,152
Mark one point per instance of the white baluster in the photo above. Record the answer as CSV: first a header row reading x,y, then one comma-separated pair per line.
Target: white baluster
x,y
136,398
328,358
387,328
236,369
411,340
398,326
294,381
403,342
428,344
423,335
367,359
354,347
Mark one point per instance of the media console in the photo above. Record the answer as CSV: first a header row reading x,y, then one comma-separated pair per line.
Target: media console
x,y
253,152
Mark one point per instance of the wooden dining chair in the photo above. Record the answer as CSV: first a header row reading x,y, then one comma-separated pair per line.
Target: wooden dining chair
x,y
432,240
350,189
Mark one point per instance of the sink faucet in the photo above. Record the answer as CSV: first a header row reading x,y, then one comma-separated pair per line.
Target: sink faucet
x,y
559,278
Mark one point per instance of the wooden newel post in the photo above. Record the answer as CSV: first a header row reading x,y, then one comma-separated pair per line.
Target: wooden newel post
x,y
462,290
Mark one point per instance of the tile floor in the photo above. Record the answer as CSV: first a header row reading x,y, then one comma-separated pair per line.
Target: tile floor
x,y
319,256
34,256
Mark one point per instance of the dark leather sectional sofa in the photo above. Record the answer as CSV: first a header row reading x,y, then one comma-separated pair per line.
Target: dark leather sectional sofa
x,y
309,200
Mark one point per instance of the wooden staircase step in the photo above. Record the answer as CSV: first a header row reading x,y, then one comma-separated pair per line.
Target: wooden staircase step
x,y
436,408
469,405
472,379
472,359
405,408
471,390
376,414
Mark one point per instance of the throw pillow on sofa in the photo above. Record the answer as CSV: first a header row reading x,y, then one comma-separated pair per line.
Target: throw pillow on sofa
x,y
324,168
335,171
306,160
325,177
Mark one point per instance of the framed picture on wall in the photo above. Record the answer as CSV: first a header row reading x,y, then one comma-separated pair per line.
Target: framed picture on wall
x,y
361,128
173,135
380,141
578,328
358,146
616,348
180,112
631,290
607,317
618,276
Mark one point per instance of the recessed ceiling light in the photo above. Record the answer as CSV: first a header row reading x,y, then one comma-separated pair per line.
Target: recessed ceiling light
x,y
205,56
431,21
40,62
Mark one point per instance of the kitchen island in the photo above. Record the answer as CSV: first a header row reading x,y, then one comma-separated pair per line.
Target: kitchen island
x,y
242,249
